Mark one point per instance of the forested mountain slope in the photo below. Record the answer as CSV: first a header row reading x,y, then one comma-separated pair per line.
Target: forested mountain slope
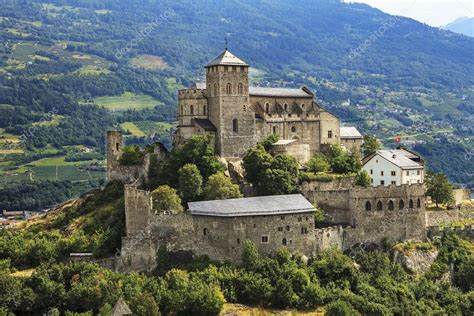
x,y
71,69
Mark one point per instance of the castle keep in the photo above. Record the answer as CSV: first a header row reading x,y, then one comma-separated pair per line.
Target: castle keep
x,y
237,115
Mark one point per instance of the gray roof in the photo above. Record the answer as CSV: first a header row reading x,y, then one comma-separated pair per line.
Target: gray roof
x,y
267,92
350,132
252,206
226,58
121,308
400,158
205,124
199,85
284,142
279,92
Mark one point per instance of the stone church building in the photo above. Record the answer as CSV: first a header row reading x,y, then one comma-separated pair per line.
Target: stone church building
x,y
237,115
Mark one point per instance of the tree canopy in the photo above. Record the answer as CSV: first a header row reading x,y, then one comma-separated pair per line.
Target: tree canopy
x,y
219,187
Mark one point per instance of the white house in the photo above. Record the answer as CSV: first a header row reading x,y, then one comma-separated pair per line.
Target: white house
x,y
394,167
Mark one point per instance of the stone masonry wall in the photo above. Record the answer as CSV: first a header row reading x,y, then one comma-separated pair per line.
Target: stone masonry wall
x,y
329,237
222,238
405,221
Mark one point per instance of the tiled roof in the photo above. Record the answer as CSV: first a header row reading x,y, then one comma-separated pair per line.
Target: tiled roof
x,y
226,58
350,132
252,206
400,158
278,92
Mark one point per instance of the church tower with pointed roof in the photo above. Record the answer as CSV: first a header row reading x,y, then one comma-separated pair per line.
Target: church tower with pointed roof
x,y
227,86
236,116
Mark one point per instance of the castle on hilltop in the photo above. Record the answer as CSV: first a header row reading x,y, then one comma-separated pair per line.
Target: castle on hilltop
x,y
237,115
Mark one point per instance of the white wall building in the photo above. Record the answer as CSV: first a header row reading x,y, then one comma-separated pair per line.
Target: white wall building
x,y
394,167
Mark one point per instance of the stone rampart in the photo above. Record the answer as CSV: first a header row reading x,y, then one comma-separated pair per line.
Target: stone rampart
x,y
464,232
392,213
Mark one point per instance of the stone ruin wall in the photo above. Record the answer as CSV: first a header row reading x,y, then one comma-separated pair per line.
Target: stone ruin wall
x,y
465,232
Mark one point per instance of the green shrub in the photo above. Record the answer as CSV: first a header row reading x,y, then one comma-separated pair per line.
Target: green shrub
x,y
131,156
319,163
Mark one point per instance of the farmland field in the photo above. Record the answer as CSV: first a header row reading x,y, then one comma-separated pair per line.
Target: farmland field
x,y
127,101
133,129
149,62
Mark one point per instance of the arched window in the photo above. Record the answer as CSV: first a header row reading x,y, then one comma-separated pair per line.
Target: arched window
x,y
401,204
204,231
286,107
379,206
274,129
241,88
410,204
302,106
192,110
204,109
390,205
235,125
228,88
267,108
368,206
216,90
283,241
418,203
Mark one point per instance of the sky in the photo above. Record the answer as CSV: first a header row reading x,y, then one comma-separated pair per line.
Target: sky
x,y
431,12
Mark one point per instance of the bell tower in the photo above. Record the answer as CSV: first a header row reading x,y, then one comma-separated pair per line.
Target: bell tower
x,y
227,86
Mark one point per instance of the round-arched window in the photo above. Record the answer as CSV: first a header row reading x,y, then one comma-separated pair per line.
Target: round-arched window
x,y
401,204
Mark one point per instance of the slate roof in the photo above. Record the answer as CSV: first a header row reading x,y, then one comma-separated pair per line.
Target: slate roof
x,y
350,132
226,58
252,206
205,124
278,92
400,158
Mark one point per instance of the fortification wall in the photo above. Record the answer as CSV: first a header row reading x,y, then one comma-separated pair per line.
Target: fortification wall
x,y
334,203
116,171
329,237
342,183
435,218
464,232
138,206
394,213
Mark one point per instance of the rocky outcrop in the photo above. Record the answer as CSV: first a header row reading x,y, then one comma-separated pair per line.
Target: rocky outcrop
x,y
417,261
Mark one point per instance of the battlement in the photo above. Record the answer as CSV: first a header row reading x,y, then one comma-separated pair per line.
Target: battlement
x,y
191,94
415,190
